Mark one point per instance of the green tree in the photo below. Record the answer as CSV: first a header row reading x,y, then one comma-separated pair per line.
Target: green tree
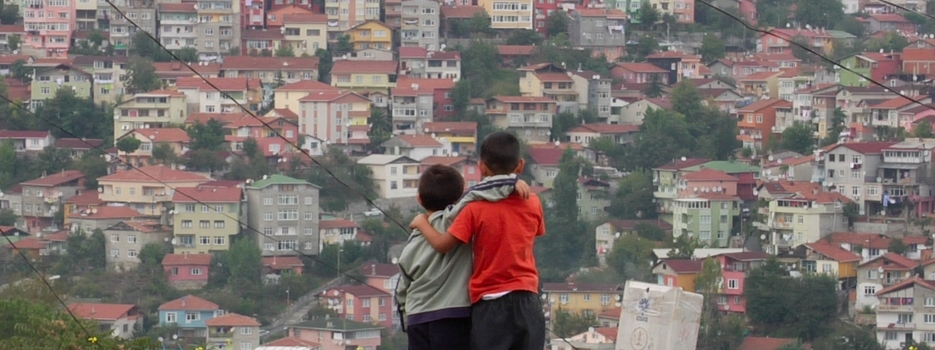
x,y
556,23
188,55
897,246
284,51
141,76
128,145
524,37
207,136
7,217
634,197
648,15
712,48
343,46
654,89
14,41
923,129
798,138
325,62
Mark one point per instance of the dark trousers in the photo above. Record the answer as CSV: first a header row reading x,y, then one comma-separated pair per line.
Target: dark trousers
x,y
511,322
443,334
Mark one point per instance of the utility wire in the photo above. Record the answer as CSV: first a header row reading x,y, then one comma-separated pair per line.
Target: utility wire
x,y
48,285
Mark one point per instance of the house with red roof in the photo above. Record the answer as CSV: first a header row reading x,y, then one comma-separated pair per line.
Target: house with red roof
x,y
121,319
461,135
190,314
232,328
28,141
206,218
468,167
361,303
639,73
362,75
187,271
147,189
271,70
417,101
622,134
126,239
150,138
203,96
42,196
879,273
530,117
678,272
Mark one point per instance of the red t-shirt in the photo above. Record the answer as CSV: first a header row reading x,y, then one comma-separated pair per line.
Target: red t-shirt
x,y
503,234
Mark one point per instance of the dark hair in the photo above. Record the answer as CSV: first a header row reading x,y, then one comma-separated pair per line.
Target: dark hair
x,y
500,152
439,187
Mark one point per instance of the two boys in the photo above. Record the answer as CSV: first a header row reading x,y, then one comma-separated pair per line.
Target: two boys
x,y
444,302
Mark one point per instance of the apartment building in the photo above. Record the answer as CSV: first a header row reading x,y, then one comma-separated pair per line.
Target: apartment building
x,y
330,116
529,116
106,73
394,176
271,71
419,62
47,81
219,26
509,14
204,97
147,189
599,30
179,25
371,34
348,14
126,239
141,12
420,22
154,109
904,314
284,212
705,207
205,218
42,197
305,33
364,75
49,25
879,274
362,303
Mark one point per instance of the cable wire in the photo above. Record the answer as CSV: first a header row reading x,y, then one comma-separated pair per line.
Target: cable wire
x,y
48,285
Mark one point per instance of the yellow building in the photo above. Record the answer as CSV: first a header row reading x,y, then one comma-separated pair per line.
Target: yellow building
x,y
288,96
586,299
371,35
359,76
508,14
305,33
147,189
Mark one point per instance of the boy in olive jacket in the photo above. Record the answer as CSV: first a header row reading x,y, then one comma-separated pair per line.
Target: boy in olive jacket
x,y
432,293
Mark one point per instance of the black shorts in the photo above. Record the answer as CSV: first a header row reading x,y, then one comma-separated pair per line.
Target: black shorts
x,y
443,334
511,322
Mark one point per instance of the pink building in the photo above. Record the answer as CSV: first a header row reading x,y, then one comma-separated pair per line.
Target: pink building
x,y
49,25
734,269
360,303
187,271
337,334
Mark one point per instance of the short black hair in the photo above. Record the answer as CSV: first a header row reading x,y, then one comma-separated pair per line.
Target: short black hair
x,y
439,187
500,152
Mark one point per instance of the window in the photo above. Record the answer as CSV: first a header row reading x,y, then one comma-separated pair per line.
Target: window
x,y
732,284
219,240
196,271
218,223
171,317
192,316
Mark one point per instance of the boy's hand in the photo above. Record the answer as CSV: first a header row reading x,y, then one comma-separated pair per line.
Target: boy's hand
x,y
522,188
419,220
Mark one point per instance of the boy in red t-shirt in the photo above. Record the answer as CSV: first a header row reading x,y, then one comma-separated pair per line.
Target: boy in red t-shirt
x,y
506,312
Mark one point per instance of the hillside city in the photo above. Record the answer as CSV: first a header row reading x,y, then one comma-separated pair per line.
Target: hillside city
x,y
220,174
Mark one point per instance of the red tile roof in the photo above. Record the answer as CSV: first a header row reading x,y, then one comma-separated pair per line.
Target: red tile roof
x,y
708,174
866,147
451,127
305,18
164,134
108,213
363,67
103,312
833,252
335,223
579,287
460,11
641,67
516,50
282,262
603,128
189,302
90,197
186,259
270,63
154,173
55,179
761,343
233,319
379,270
684,265
682,164
545,156
223,84
207,194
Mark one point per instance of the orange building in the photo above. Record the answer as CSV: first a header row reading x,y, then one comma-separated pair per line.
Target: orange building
x,y
756,122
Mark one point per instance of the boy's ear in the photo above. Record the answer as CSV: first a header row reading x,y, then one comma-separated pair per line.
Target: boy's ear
x,y
519,166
